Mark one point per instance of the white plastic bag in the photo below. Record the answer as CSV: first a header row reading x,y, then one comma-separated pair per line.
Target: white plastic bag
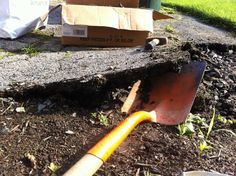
x,y
202,173
17,17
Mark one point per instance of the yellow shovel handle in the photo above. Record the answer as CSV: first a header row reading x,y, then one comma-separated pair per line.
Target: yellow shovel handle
x,y
107,145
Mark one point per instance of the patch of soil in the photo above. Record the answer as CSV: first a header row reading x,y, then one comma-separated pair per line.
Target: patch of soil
x,y
60,131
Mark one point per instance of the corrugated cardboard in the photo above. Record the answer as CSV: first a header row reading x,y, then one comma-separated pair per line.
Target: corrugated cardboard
x,y
106,26
114,3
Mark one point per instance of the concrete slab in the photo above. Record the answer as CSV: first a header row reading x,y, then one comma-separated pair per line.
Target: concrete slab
x,y
39,61
20,72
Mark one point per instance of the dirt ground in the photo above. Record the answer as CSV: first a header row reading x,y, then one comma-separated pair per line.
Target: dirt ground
x,y
59,129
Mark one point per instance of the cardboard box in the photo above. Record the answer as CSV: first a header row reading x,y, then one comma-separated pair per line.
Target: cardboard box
x,y
114,3
86,25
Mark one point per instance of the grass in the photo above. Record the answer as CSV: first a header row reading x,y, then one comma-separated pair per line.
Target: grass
x,y
31,51
167,10
6,54
216,12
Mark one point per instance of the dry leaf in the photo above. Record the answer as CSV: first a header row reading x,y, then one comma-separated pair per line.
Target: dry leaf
x,y
53,167
32,160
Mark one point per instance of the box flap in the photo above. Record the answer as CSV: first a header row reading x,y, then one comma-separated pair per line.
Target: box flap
x,y
114,3
158,16
113,17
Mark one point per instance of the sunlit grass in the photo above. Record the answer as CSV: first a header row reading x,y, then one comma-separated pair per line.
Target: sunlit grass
x,y
218,12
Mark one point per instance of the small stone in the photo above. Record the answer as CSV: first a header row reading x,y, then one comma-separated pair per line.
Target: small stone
x,y
219,85
231,51
41,107
70,132
4,130
208,83
142,147
20,109
216,97
74,114
215,56
99,76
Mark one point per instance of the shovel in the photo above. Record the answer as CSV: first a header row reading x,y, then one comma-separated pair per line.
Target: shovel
x,y
166,99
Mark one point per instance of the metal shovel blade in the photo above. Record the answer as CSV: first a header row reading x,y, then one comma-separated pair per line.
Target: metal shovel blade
x,y
170,95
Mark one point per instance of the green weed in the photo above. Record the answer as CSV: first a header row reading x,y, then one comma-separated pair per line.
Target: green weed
x,y
224,120
169,28
195,123
211,123
7,54
197,119
187,128
203,144
31,51
103,120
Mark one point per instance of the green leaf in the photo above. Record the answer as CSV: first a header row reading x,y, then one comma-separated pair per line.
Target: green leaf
x,y
211,123
190,128
200,134
186,129
221,119
103,120
203,146
197,119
